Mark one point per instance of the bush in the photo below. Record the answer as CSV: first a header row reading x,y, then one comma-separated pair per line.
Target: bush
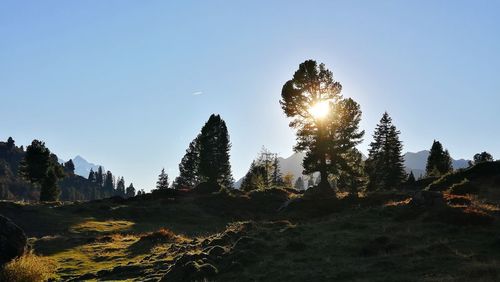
x,y
28,268
464,187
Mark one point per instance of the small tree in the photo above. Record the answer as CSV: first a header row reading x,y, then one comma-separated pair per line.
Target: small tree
x,y
288,180
385,163
439,160
411,179
482,157
130,191
162,182
120,187
69,167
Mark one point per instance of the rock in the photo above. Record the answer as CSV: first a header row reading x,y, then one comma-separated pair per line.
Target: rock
x,y
12,240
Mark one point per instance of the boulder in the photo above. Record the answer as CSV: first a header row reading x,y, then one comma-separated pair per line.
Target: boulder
x,y
12,240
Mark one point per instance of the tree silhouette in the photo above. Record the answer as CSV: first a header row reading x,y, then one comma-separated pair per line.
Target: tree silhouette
x,y
385,163
39,168
411,178
311,84
439,160
188,168
69,167
214,166
109,184
130,191
482,157
327,139
254,178
162,182
120,187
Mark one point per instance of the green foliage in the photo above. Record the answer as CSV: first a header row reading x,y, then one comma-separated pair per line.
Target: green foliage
x,y
120,187
69,167
385,164
411,178
264,172
439,161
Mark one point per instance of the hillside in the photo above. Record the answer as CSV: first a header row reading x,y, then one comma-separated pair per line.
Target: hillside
x,y
272,235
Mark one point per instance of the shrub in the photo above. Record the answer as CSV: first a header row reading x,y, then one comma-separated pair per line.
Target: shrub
x,y
464,187
28,268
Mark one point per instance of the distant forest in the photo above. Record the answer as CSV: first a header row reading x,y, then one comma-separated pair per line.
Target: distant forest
x,y
70,187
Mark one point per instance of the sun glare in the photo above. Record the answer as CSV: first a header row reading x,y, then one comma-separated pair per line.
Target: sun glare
x,y
320,110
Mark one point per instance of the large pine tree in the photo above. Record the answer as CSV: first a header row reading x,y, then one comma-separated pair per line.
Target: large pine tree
x,y
385,163
214,166
439,160
327,137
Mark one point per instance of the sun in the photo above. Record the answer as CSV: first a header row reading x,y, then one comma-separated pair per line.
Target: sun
x,y
320,110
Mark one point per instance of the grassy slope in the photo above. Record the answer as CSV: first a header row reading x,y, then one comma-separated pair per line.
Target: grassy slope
x,y
371,239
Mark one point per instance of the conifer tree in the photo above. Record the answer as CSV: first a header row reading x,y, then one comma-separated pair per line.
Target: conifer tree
x,y
439,160
130,191
109,185
254,178
385,163
162,182
120,187
99,176
277,178
299,184
214,166
91,177
40,167
69,167
411,178
188,168
328,138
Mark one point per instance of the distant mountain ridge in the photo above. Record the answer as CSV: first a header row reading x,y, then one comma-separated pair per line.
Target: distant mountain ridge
x,y
414,162
83,167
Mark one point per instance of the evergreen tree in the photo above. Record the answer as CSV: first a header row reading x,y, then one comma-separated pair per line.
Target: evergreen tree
x,y
439,160
411,178
214,166
162,182
120,187
254,178
109,185
299,184
10,143
188,168
40,167
130,191
385,163
99,177
91,177
50,191
69,167
277,178
327,139
482,157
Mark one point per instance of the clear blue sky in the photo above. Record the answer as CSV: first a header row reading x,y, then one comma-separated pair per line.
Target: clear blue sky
x,y
115,81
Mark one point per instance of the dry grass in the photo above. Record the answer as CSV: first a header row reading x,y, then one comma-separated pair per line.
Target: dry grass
x,y
28,268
